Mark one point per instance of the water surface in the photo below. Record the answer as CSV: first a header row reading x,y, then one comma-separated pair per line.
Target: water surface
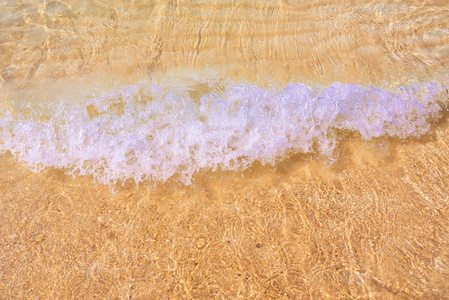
x,y
149,90
294,149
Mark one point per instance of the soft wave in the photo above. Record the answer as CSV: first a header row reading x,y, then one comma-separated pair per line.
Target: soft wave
x,y
143,132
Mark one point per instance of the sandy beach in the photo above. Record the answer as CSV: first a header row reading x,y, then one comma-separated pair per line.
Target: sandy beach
x,y
371,224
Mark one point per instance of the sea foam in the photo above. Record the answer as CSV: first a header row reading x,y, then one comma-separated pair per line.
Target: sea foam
x,y
144,132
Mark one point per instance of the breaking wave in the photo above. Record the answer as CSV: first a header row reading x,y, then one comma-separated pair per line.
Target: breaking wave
x,y
144,132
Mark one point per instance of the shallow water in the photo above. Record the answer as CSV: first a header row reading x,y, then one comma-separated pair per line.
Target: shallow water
x,y
151,90
297,116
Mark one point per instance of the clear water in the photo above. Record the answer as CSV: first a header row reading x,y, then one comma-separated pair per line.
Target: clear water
x,y
344,102
152,90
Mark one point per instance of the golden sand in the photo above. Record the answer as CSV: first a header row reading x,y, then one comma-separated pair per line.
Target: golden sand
x,y
375,224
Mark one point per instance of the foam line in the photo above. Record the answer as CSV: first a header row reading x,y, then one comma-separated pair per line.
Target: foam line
x,y
146,133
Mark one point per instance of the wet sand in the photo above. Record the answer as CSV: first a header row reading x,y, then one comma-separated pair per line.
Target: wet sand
x,y
375,224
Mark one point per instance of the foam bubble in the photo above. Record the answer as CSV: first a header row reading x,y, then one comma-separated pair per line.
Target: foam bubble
x,y
144,132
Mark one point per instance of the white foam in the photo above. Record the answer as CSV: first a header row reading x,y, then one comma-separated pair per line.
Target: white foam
x,y
145,132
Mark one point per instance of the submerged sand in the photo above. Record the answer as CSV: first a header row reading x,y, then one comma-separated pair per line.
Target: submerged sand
x,y
375,224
